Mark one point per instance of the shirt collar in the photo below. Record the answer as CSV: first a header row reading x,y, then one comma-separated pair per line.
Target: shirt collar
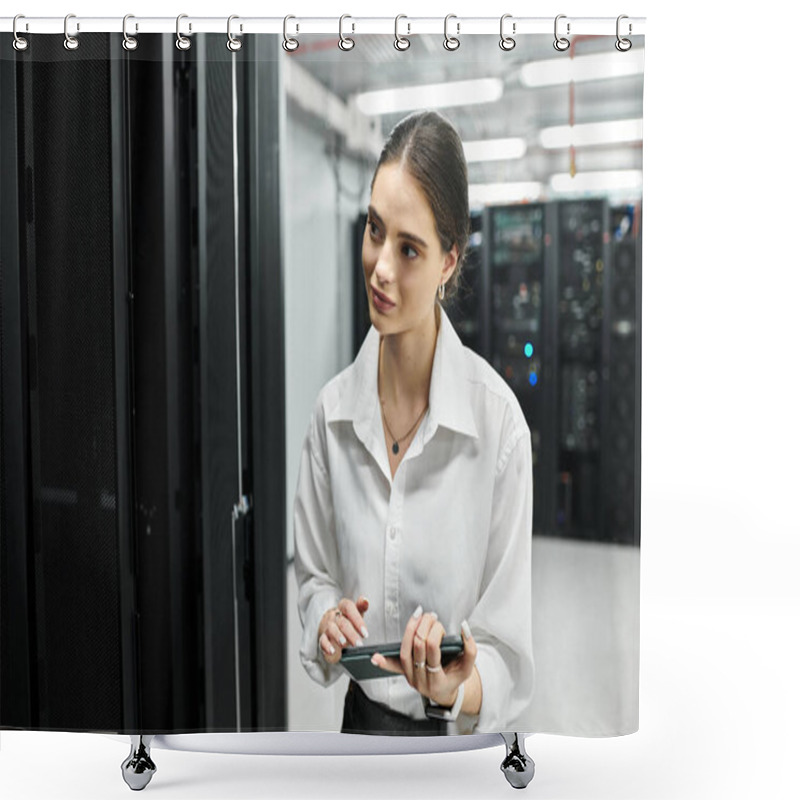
x,y
449,395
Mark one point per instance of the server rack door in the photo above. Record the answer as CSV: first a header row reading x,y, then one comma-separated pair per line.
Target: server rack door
x,y
72,283
519,341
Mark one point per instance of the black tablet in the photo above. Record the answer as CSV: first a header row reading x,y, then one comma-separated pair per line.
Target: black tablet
x,y
356,660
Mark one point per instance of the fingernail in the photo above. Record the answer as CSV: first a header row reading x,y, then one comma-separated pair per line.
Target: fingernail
x,y
465,628
374,659
331,649
342,641
364,631
359,643
418,612
434,615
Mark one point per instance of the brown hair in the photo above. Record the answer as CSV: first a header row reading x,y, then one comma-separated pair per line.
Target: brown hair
x,y
428,146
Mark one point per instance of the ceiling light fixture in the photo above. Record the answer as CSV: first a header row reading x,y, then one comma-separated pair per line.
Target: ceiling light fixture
x,y
592,133
432,95
494,150
594,67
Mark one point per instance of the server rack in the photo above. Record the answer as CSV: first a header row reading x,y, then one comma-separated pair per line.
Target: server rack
x,y
122,567
519,276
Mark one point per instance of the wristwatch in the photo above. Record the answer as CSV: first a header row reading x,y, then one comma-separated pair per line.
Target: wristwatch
x,y
434,711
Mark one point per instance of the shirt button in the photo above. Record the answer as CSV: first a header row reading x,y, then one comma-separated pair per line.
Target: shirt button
x,y
390,608
392,532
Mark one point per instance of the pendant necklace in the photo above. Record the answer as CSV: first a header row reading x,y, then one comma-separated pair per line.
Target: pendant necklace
x,y
395,440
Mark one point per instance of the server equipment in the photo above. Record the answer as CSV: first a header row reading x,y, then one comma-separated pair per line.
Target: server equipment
x,y
142,502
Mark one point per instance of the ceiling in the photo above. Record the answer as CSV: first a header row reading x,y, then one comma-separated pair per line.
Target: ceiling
x,y
522,111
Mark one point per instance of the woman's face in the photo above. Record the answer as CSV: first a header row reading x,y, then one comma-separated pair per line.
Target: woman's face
x,y
401,253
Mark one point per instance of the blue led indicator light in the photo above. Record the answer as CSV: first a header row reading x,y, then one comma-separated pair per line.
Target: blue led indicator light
x,y
528,349
533,379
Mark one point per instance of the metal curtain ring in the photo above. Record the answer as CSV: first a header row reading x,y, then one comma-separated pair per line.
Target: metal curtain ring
x,y
507,42
182,43
70,42
401,42
623,45
20,43
128,42
290,44
451,42
345,42
234,44
561,43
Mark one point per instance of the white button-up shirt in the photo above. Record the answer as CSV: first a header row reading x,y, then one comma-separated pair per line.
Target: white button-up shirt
x,y
452,531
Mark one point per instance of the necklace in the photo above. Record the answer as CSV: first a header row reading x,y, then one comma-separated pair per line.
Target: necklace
x,y
395,440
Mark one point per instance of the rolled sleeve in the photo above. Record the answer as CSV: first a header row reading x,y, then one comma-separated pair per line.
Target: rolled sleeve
x,y
501,621
316,557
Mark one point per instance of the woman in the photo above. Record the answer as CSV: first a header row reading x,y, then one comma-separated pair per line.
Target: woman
x,y
413,511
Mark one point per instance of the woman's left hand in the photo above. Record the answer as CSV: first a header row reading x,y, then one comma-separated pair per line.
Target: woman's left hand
x,y
421,659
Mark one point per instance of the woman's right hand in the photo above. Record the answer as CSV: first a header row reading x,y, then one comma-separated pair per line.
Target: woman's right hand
x,y
342,627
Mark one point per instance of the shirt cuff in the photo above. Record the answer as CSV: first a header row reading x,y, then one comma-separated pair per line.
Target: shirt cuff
x,y
310,654
496,691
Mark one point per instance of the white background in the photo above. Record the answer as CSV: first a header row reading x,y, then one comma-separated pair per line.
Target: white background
x,y
720,606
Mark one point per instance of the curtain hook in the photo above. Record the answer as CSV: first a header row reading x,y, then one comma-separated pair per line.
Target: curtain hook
x,y
129,42
20,43
623,45
451,42
182,42
561,43
290,44
401,42
234,43
70,42
345,42
507,42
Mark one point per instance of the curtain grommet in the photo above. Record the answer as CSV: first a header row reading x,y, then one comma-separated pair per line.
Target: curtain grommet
x,y
561,43
451,43
128,42
234,44
20,42
401,43
70,42
181,42
507,42
346,43
290,44
623,45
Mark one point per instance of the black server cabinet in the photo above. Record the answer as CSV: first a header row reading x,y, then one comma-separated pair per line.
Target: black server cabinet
x,y
582,256
566,335
520,274
622,431
122,565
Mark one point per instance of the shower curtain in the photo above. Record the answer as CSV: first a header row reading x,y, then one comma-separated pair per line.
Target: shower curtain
x,y
183,239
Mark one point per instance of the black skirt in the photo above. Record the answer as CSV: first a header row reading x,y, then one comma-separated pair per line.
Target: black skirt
x,y
362,715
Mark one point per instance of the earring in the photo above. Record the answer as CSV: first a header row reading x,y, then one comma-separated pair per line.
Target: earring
x,y
441,291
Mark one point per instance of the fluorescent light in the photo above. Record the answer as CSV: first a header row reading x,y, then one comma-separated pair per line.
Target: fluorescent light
x,y
592,133
595,67
495,149
486,193
597,181
432,95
